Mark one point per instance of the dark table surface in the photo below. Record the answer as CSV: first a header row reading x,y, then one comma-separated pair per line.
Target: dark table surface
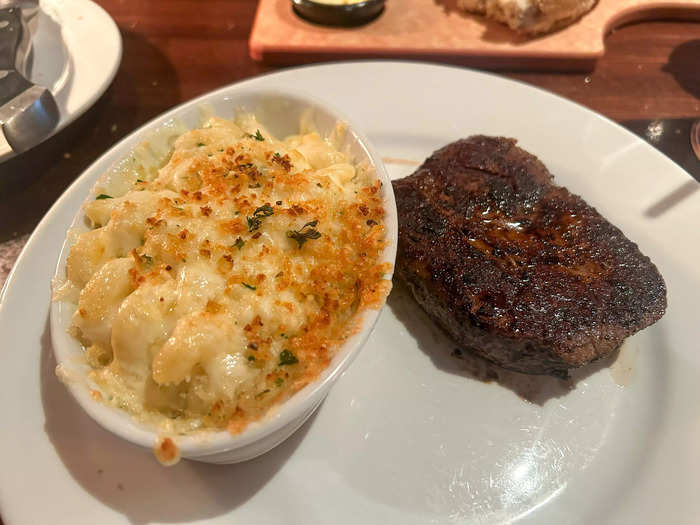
x,y
178,49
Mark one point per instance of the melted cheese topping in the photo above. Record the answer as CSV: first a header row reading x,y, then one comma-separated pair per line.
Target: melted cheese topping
x,y
223,282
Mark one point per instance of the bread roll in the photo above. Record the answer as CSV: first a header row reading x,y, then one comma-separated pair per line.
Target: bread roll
x,y
530,16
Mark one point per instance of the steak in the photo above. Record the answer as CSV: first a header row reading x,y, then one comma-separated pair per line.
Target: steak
x,y
515,268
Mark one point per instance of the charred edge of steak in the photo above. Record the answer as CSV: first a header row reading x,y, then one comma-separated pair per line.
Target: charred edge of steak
x,y
515,268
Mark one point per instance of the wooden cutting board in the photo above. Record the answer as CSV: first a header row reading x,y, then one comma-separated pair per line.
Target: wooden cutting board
x,y
436,30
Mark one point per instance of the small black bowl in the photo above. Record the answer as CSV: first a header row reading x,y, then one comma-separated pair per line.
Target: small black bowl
x,y
339,15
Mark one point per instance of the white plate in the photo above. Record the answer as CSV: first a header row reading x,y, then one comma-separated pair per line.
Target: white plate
x,y
76,51
406,436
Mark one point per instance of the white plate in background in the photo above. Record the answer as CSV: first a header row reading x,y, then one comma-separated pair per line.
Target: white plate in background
x,y
76,51
407,436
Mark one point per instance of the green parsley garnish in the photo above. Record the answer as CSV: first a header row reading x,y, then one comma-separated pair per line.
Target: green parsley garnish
x,y
251,358
255,221
200,144
249,286
279,381
239,243
305,233
260,394
258,136
103,196
287,358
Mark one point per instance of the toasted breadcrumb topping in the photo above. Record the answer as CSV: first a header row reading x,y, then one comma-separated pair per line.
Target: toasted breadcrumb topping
x,y
223,282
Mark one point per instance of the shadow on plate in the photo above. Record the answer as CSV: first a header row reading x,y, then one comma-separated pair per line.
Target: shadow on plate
x,y
128,479
445,355
673,199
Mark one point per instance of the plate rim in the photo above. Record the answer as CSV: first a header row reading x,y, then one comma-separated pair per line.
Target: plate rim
x,y
107,80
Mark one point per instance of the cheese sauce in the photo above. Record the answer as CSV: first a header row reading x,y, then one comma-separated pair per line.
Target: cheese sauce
x,y
218,285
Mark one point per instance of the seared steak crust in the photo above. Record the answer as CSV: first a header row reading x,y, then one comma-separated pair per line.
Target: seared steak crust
x,y
515,268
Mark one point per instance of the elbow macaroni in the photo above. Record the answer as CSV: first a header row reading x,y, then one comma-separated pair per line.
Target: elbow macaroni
x,y
220,284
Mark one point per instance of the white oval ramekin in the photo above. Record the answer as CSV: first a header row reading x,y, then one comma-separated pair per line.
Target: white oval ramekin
x,y
280,111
